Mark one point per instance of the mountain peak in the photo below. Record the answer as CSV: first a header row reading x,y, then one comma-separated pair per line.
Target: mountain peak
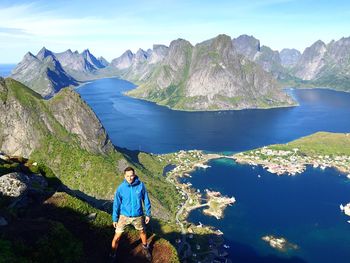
x,y
86,51
44,53
29,55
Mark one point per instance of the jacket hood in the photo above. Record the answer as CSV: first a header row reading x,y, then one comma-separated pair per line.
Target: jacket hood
x,y
135,182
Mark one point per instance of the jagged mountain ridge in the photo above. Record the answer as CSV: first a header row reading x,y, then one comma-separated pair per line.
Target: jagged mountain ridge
x,y
326,65
208,76
269,59
42,73
48,72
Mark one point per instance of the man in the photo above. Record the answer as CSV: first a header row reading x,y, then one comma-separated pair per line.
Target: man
x,y
128,210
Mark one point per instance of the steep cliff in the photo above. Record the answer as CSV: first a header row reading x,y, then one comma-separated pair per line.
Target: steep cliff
x,y
326,65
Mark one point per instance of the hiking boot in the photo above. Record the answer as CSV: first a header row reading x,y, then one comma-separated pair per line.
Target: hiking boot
x,y
147,252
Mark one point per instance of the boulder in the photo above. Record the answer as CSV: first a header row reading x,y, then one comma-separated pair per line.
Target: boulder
x,y
16,186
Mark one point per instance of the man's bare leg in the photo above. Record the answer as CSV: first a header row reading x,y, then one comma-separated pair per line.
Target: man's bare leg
x,y
143,237
115,242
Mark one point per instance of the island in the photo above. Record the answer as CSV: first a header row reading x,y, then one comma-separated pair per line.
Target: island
x,y
346,210
217,203
279,243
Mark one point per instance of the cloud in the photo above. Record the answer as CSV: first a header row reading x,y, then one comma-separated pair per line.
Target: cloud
x,y
12,31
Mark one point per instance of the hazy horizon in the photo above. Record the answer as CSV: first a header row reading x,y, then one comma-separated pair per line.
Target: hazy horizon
x,y
111,27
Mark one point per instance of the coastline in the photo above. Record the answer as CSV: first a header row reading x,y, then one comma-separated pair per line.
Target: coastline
x,y
186,162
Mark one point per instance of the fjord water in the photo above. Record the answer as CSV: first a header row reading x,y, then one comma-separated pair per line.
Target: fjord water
x,y
304,209
141,125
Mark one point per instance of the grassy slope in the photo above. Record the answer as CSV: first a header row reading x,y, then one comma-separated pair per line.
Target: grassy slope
x,y
320,143
96,175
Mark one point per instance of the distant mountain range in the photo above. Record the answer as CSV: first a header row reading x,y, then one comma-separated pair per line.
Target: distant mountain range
x,y
48,72
217,74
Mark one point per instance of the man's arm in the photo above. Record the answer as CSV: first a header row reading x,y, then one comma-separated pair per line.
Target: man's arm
x,y
116,207
147,204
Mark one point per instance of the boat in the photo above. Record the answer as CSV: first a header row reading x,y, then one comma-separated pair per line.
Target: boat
x,y
341,207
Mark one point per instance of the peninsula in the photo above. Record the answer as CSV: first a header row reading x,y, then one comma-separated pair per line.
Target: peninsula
x,y
321,149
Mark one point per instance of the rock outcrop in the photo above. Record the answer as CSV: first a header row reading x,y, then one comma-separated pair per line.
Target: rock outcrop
x,y
267,58
311,62
29,119
15,186
289,57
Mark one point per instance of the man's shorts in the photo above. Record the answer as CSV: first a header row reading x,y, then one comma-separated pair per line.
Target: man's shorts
x,y
138,222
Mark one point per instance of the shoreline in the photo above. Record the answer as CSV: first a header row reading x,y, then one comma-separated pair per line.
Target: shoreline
x,y
187,162
193,199
290,162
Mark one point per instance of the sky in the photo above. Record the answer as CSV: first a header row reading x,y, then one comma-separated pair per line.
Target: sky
x,y
108,28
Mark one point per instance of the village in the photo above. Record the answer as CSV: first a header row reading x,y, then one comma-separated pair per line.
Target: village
x,y
280,162
292,162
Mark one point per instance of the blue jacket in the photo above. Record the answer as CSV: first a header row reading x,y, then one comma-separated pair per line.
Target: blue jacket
x,y
128,200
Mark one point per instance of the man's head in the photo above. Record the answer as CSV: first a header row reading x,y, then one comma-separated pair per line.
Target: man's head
x,y
129,174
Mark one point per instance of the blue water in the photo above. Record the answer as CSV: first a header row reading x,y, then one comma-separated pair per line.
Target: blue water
x,y
5,69
141,125
304,209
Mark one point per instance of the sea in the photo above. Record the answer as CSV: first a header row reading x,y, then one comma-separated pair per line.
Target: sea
x,y
303,209
5,69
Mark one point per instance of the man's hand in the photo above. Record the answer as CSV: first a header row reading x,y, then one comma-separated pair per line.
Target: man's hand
x,y
147,218
115,224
